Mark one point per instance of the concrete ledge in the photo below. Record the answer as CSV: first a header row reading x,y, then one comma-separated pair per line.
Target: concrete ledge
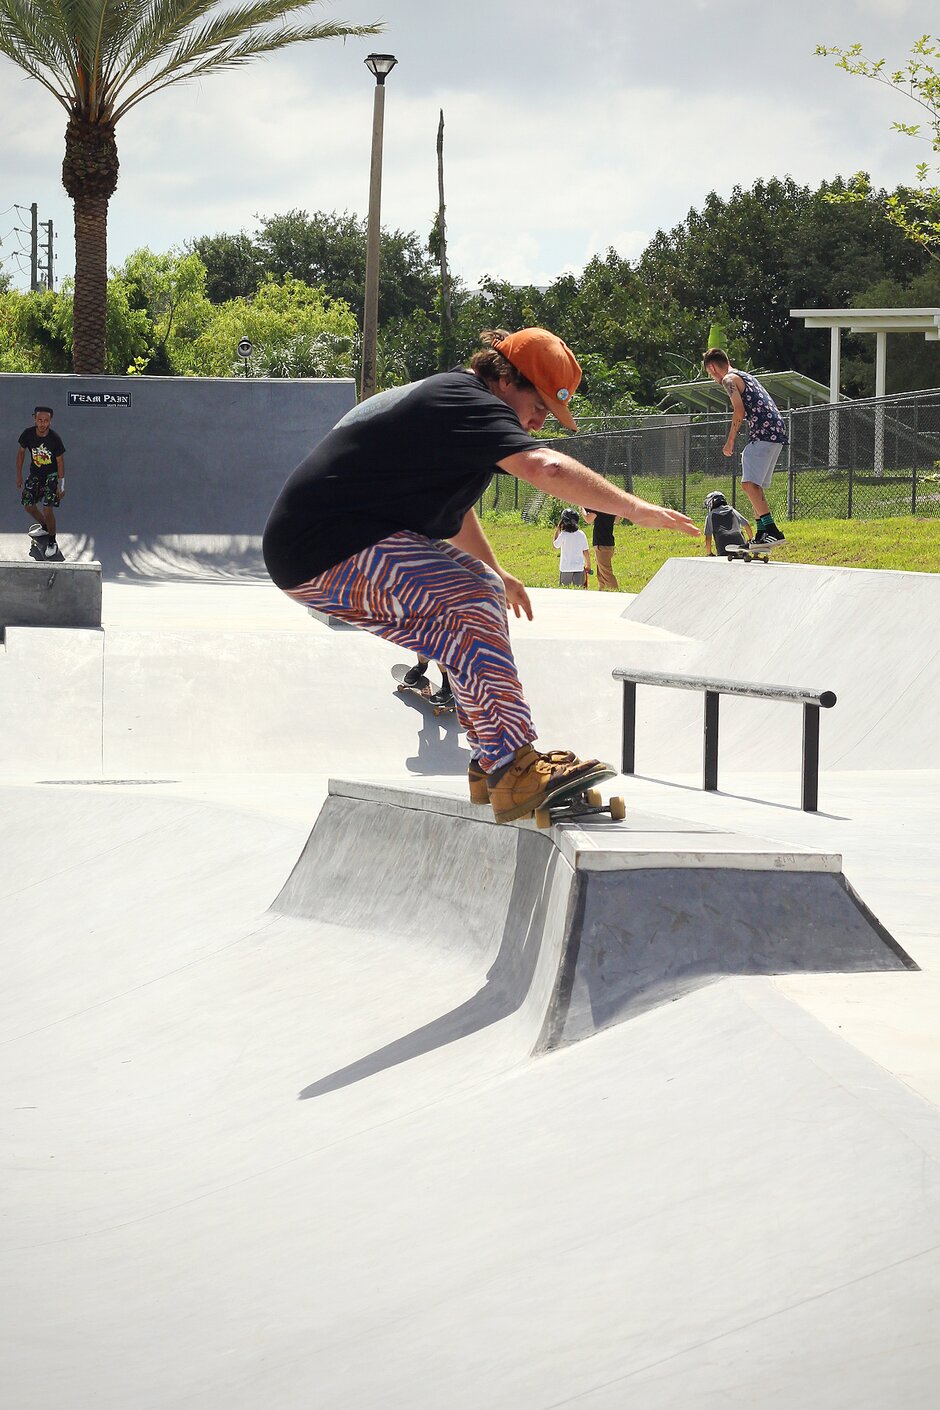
x,y
642,840
569,947
50,595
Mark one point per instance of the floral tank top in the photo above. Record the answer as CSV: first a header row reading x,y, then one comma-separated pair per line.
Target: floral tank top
x,y
764,422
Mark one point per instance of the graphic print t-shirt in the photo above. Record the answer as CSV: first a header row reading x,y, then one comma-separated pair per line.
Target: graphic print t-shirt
x,y
415,457
43,451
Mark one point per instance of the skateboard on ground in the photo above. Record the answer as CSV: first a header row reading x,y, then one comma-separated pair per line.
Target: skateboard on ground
x,y
423,690
746,553
577,802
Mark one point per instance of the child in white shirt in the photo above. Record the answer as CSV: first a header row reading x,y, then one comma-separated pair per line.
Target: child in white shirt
x,y
575,563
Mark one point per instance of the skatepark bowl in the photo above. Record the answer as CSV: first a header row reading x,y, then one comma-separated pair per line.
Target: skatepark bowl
x,y
321,1091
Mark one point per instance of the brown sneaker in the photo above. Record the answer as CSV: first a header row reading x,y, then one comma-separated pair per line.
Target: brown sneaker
x,y
479,793
476,777
532,779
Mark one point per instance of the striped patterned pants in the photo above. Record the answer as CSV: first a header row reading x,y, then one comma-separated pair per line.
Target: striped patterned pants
x,y
431,598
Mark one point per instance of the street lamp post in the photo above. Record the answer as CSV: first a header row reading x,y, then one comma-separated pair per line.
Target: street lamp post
x,y
381,66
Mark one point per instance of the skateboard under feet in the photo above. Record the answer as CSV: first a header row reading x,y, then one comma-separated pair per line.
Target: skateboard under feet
x,y
578,803
747,554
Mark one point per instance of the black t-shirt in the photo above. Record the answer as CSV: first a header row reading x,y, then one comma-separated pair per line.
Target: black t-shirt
x,y
414,457
603,535
43,451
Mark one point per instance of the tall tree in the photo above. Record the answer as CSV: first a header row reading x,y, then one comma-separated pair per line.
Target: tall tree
x,y
777,246
99,59
915,211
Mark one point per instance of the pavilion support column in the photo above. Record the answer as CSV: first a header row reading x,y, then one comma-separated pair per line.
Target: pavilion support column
x,y
881,358
835,379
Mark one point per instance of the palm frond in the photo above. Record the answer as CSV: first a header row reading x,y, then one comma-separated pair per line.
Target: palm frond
x,y
232,56
101,57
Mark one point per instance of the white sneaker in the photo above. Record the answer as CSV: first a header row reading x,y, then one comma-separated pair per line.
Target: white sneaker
x,y
51,549
36,531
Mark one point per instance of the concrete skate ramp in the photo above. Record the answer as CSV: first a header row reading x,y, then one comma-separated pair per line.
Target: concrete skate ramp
x,y
716,1202
872,637
570,939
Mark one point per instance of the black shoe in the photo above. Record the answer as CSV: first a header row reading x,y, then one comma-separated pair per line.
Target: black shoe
x,y
415,676
443,698
767,538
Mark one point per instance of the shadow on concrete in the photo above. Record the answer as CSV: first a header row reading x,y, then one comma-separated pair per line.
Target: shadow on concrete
x,y
439,747
505,989
168,558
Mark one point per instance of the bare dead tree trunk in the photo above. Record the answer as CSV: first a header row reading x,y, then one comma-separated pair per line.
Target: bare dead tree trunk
x,y
447,351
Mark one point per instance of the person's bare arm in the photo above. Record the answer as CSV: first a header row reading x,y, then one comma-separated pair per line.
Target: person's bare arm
x,y
20,457
472,539
730,384
560,475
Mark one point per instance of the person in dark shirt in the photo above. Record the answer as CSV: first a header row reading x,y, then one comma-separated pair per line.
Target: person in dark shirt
x,y
602,538
377,528
45,479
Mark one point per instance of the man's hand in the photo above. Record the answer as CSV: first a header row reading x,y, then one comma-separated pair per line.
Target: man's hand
x,y
728,448
655,516
516,596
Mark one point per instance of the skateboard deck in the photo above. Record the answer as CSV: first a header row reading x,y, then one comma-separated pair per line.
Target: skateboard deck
x,y
747,554
580,800
423,690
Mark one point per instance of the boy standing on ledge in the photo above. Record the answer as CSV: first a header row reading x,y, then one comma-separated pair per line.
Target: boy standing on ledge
x,y
45,479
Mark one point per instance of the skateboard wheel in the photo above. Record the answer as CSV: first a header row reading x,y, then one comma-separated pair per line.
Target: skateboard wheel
x,y
543,817
593,797
617,809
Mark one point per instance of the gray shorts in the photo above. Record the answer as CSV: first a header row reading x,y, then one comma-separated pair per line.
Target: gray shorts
x,y
571,579
758,461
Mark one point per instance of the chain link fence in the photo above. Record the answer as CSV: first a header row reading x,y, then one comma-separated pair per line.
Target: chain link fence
x,y
872,459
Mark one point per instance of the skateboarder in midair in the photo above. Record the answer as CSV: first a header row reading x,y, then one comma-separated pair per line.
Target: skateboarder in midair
x,y
377,528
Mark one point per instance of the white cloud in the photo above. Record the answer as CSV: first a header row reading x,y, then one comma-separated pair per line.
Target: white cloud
x,y
575,131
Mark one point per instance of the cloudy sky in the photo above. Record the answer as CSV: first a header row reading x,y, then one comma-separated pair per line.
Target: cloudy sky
x,y
568,127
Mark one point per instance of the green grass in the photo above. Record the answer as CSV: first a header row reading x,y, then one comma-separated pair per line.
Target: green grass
x,y
904,543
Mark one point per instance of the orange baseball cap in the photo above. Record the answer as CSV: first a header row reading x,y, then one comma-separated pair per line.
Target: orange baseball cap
x,y
549,364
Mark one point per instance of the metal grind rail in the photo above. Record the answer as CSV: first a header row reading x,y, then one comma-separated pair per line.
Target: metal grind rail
x,y
811,700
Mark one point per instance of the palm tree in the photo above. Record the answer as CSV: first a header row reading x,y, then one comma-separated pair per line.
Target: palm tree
x,y
99,59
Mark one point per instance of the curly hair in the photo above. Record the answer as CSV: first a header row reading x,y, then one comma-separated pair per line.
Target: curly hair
x,y
489,363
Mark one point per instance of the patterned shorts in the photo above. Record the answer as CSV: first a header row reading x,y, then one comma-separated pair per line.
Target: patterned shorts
x,y
41,487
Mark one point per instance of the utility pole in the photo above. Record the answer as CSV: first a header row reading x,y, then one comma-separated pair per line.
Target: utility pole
x,y
33,247
47,267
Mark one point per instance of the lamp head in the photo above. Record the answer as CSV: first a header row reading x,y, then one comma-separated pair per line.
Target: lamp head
x,y
380,65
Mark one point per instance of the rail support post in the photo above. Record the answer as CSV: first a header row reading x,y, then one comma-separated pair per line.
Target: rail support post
x,y
810,791
710,751
628,745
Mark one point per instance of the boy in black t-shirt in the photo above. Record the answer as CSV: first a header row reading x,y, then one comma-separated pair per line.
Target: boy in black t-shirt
x,y
377,528
45,479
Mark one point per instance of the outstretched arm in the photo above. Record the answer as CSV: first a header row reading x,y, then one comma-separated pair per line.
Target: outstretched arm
x,y
566,478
